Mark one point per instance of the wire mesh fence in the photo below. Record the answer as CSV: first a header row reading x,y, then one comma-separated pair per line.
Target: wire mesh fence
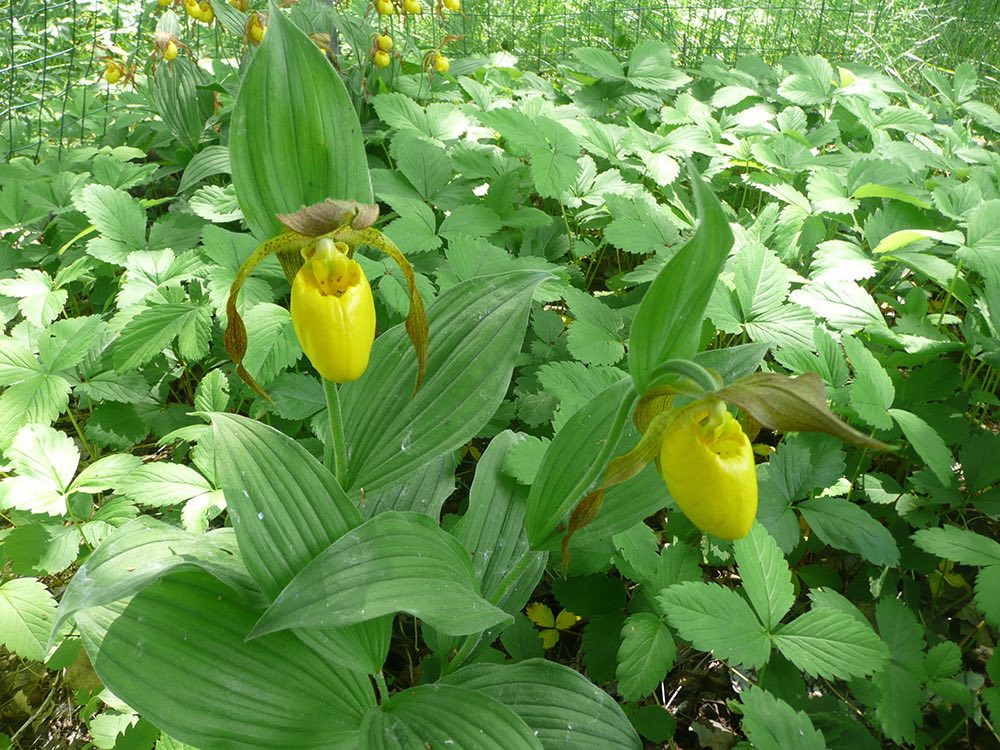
x,y
51,51
898,33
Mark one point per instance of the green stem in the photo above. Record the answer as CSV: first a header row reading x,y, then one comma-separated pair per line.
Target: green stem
x,y
569,232
383,689
335,454
951,292
79,433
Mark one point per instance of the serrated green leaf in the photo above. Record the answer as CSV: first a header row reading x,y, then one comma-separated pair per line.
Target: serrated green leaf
x,y
638,225
163,483
44,454
845,305
927,443
842,524
599,62
38,399
765,574
125,388
651,67
272,345
599,645
212,393
718,620
944,660
424,164
872,392
66,343
471,220
554,152
831,644
828,193
771,724
594,335
958,545
27,612
41,548
151,331
105,473
17,363
37,299
898,709
646,654
297,396
117,215
525,457
216,204
988,593
116,426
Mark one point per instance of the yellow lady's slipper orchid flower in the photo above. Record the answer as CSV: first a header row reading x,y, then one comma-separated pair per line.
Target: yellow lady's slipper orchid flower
x,y
113,72
708,465
333,312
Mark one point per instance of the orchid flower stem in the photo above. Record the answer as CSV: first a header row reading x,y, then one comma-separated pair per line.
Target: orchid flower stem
x,y
335,455
383,689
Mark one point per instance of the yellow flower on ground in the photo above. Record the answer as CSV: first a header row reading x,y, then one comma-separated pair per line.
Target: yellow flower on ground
x,y
707,463
333,312
550,625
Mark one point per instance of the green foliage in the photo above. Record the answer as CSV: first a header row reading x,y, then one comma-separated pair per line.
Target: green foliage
x,y
582,243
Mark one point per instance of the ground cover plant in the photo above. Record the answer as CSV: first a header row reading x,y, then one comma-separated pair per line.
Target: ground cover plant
x,y
678,429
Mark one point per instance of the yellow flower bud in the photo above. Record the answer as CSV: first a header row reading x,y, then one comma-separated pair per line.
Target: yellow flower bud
x,y
413,6
453,5
207,15
171,51
255,29
333,312
384,7
382,59
384,42
441,63
708,465
113,73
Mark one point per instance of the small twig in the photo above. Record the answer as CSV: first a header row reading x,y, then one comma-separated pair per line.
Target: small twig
x,y
34,716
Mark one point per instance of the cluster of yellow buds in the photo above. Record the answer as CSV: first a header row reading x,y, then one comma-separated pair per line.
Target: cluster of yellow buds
x,y
200,11
381,48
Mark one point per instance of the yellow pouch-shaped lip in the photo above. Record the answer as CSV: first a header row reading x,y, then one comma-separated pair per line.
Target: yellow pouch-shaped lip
x,y
707,463
333,314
